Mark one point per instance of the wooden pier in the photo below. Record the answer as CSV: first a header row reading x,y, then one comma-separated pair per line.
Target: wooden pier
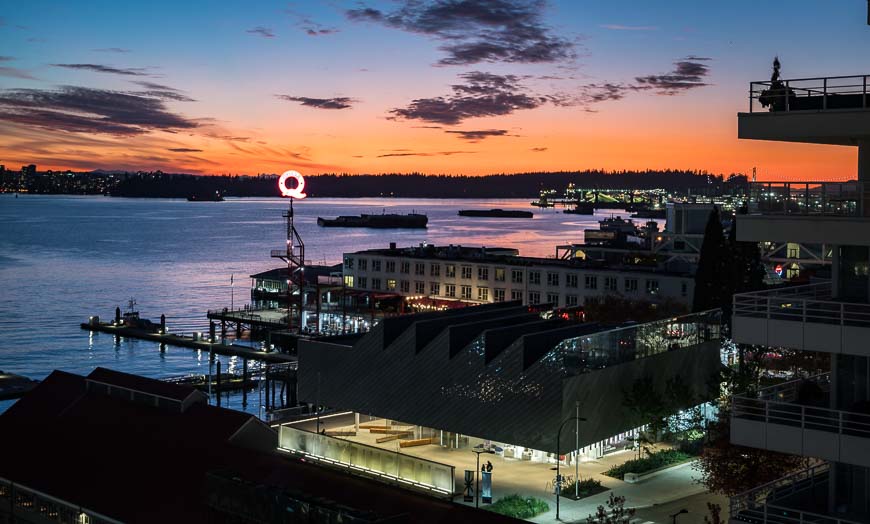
x,y
189,342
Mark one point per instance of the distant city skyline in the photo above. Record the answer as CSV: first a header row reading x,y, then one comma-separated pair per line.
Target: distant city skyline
x,y
445,86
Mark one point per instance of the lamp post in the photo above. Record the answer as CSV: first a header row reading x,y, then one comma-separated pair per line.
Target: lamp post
x,y
558,462
674,516
477,472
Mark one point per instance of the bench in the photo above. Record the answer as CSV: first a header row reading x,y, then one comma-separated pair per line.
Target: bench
x,y
396,436
416,442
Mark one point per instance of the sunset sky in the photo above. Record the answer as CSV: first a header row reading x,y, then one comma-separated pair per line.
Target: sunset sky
x,y
444,86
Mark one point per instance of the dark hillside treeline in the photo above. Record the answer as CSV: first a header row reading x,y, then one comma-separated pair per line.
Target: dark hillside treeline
x,y
518,185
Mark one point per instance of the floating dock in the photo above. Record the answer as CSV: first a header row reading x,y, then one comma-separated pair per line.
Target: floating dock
x,y
189,342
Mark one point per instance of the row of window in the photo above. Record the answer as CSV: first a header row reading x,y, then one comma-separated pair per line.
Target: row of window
x,y
499,274
465,291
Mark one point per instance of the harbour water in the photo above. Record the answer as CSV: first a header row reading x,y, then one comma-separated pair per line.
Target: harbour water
x,y
64,258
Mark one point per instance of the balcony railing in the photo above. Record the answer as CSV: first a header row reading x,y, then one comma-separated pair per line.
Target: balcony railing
x,y
809,94
807,198
811,303
780,404
759,505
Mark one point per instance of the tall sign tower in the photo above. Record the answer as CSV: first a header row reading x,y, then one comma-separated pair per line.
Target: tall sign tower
x,y
294,253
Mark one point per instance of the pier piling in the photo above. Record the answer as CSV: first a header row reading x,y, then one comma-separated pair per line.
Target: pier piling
x,y
244,382
218,388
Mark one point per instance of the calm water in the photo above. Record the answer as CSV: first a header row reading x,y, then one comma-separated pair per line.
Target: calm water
x,y
64,258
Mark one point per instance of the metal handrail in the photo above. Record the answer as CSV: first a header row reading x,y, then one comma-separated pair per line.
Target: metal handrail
x,y
786,94
808,198
778,405
757,497
801,304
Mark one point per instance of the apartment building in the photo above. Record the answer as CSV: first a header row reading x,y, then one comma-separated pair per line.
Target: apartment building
x,y
825,418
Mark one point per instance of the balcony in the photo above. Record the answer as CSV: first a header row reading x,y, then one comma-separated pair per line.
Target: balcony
x,y
800,498
794,418
824,110
841,199
802,317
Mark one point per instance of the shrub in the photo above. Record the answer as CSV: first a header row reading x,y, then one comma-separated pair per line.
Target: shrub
x,y
659,459
519,507
586,488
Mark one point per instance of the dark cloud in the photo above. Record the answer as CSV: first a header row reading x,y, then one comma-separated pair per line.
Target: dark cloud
x,y
86,110
6,59
482,94
438,153
265,32
162,91
99,68
688,73
112,50
320,31
340,102
184,150
14,72
538,149
477,136
476,31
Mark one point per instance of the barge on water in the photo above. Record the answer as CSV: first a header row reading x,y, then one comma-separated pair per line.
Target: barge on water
x,y
384,221
582,208
496,213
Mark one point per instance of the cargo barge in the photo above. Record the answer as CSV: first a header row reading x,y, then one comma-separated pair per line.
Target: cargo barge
x,y
384,221
496,213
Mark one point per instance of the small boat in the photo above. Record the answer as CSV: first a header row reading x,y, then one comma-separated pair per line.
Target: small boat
x,y
497,213
650,213
384,221
582,208
206,197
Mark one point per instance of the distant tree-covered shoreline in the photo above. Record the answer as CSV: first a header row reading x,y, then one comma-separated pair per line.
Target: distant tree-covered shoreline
x,y
416,185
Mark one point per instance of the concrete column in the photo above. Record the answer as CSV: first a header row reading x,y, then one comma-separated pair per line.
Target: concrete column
x,y
864,175
864,160
356,422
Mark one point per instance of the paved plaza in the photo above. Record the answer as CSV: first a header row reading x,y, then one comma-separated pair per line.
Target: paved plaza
x,y
535,479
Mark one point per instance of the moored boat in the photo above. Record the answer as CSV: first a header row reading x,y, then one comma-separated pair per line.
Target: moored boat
x,y
384,221
497,213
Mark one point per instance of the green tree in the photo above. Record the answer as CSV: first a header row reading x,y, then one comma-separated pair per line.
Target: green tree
x,y
713,281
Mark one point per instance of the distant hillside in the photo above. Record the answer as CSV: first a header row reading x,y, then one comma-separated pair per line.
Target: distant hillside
x,y
518,185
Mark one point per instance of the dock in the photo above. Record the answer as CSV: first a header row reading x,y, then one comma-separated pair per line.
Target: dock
x,y
14,386
189,342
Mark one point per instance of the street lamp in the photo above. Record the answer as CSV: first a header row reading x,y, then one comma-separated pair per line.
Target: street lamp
x,y
558,454
674,516
478,449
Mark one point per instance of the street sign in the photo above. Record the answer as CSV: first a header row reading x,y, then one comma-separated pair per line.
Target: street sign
x,y
469,483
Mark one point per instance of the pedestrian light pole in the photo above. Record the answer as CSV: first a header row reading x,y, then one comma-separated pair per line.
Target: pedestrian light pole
x,y
578,419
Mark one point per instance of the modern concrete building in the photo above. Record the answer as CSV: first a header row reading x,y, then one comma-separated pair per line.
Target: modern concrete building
x,y
482,275
112,447
502,373
824,418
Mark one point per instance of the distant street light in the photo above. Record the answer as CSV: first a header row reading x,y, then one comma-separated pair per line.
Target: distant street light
x,y
674,516
558,461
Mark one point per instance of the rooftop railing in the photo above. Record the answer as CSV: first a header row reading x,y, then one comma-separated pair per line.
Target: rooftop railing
x,y
796,404
807,198
809,94
810,303
759,505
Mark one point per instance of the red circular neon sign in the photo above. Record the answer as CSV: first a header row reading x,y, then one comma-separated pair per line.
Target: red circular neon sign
x,y
292,192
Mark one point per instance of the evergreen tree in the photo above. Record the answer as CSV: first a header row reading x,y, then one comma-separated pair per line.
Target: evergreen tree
x,y
713,279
